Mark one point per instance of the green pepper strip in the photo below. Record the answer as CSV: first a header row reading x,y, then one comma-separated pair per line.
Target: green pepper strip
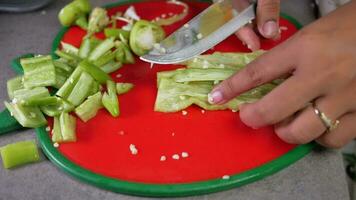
x,y
89,107
81,89
30,117
19,153
110,100
94,71
116,32
101,49
13,85
68,125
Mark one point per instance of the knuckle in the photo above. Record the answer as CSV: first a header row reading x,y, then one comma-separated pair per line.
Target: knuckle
x,y
293,135
254,76
330,142
230,88
270,6
262,114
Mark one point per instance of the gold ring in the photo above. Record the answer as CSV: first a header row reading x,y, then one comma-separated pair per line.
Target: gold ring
x,y
329,124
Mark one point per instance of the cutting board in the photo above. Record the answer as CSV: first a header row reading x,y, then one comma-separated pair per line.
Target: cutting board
x,y
221,152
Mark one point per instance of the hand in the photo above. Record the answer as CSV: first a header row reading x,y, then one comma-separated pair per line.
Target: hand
x,y
320,61
267,22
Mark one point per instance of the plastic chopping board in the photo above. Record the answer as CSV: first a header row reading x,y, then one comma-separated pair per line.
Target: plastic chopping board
x,y
217,143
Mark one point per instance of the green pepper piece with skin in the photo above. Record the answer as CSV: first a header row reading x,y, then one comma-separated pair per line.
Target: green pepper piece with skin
x,y
30,117
23,95
122,88
68,48
68,86
107,57
98,20
98,74
116,32
110,100
72,11
38,71
19,153
144,35
68,125
111,67
89,108
123,53
101,49
81,89
82,22
56,131
220,60
43,101
13,85
56,109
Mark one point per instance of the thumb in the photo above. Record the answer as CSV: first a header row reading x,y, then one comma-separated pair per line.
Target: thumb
x,y
268,18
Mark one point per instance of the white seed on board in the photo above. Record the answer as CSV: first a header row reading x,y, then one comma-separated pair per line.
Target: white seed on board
x,y
185,155
163,158
226,177
133,149
175,156
184,112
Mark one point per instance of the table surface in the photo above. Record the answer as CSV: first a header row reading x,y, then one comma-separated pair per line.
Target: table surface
x,y
320,175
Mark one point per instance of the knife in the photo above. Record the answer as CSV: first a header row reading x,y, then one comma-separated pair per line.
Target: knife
x,y
203,32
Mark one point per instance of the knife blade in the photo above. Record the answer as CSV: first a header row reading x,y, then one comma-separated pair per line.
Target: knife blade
x,y
204,31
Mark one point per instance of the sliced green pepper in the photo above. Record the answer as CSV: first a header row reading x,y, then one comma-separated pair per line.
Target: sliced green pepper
x,y
82,22
38,71
68,86
110,101
13,85
98,20
72,11
111,67
84,49
68,48
144,35
101,49
122,88
116,32
19,153
81,89
94,71
23,95
30,117
89,107
107,57
55,110
56,131
188,75
68,125
219,60
123,53
43,101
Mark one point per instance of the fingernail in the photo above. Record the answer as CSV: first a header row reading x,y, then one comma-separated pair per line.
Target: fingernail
x,y
215,97
270,28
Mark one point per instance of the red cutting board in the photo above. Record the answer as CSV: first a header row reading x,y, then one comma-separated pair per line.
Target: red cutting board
x,y
217,142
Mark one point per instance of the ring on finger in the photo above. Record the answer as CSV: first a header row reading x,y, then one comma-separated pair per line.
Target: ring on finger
x,y
329,124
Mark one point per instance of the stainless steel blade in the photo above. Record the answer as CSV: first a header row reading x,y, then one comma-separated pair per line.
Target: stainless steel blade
x,y
203,32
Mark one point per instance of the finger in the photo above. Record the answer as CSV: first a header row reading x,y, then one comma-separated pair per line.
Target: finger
x,y
282,102
267,67
344,133
248,36
307,125
268,18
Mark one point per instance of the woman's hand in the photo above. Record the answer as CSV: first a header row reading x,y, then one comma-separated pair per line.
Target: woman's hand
x,y
267,20
320,61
